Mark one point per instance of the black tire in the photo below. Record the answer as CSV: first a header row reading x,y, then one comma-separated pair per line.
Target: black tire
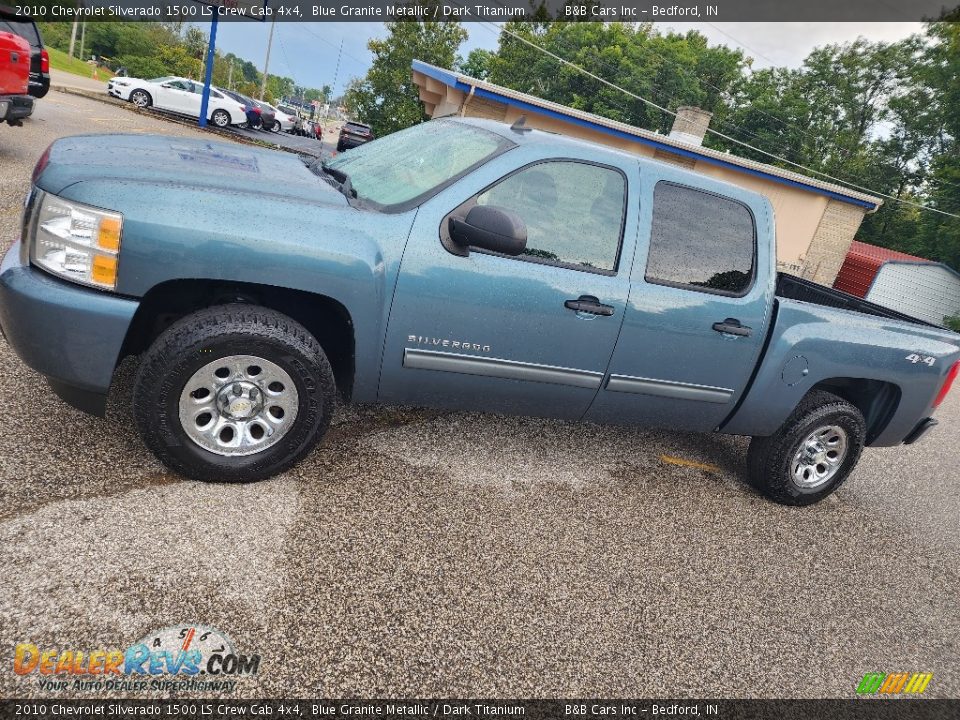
x,y
770,459
193,342
276,126
141,98
220,118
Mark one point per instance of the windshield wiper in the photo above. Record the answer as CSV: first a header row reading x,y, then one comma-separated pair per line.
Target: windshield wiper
x,y
346,187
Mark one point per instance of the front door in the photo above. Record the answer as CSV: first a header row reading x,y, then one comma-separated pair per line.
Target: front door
x,y
530,334
177,96
699,307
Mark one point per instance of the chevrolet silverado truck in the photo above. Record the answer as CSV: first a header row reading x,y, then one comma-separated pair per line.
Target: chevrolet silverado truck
x,y
459,264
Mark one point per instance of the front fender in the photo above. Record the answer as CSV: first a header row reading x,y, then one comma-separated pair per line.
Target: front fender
x,y
181,233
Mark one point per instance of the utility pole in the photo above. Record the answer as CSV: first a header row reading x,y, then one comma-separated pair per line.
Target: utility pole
x,y
266,62
83,37
73,32
73,36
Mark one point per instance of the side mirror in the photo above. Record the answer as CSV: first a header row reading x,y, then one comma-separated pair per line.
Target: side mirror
x,y
490,228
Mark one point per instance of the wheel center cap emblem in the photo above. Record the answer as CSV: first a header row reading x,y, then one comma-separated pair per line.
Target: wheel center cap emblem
x,y
240,407
240,400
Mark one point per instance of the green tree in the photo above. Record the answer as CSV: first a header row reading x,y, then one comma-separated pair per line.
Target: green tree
x,y
671,70
386,98
477,63
939,235
195,41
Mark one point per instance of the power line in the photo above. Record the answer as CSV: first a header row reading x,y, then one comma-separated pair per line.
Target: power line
x,y
286,60
667,100
304,26
758,54
650,103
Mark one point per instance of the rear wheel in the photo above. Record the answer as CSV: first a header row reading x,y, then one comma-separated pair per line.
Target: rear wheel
x,y
141,98
812,454
220,118
234,393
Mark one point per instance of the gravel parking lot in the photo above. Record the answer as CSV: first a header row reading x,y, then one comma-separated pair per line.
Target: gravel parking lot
x,y
418,553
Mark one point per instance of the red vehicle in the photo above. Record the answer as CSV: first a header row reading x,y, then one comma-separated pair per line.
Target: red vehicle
x,y
15,102
38,59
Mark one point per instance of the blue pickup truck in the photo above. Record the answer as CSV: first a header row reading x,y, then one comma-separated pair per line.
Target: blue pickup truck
x,y
460,264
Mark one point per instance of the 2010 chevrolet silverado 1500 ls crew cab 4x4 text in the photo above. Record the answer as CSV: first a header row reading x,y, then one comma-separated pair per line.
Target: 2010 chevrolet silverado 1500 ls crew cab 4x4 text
x,y
460,264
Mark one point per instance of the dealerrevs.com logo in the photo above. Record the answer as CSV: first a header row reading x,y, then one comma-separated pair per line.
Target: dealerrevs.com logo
x,y
180,657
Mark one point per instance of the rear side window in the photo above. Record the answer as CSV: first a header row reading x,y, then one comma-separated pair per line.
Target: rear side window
x,y
700,241
26,30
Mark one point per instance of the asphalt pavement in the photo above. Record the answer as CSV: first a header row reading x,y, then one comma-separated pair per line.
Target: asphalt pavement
x,y
424,553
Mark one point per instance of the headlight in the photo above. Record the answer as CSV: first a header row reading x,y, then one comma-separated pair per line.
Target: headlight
x,y
77,242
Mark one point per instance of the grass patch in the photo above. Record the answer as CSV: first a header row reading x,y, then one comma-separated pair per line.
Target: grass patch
x,y
59,60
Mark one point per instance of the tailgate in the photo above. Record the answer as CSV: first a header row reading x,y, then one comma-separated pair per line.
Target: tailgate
x,y
14,64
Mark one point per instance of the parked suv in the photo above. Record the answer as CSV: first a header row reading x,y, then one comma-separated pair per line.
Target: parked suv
x,y
39,59
353,134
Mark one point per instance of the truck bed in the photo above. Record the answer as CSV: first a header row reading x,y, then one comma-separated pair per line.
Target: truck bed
x,y
794,288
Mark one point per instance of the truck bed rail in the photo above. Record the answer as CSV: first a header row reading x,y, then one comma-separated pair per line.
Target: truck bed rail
x,y
794,288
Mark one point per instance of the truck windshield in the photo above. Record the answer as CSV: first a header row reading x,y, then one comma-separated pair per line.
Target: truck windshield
x,y
402,169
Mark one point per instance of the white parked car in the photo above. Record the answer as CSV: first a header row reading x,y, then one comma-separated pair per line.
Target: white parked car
x,y
285,121
179,95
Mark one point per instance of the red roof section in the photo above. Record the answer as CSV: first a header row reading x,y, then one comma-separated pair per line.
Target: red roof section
x,y
861,265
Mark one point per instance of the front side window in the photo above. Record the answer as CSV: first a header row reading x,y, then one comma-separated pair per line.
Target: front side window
x,y
410,164
573,211
700,240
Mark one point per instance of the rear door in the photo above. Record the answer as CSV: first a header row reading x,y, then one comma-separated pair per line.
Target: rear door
x,y
700,299
505,334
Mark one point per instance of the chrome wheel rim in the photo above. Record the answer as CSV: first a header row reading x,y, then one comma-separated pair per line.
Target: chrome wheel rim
x,y
820,456
139,98
238,405
220,119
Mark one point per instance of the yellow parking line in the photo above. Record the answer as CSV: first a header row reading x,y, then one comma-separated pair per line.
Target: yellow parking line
x,y
689,463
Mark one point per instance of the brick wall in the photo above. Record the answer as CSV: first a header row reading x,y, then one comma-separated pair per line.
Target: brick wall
x,y
831,241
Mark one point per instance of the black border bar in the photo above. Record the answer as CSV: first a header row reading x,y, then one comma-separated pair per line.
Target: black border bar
x,y
491,10
871,708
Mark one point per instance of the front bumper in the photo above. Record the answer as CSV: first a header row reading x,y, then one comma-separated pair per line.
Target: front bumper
x,y
71,334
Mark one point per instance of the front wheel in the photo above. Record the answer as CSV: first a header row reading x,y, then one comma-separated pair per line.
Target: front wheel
x,y
234,393
276,126
220,118
141,98
812,454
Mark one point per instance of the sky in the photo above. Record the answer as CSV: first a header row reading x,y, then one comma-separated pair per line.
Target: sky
x,y
308,52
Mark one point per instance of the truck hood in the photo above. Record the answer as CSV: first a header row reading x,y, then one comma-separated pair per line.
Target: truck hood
x,y
162,160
